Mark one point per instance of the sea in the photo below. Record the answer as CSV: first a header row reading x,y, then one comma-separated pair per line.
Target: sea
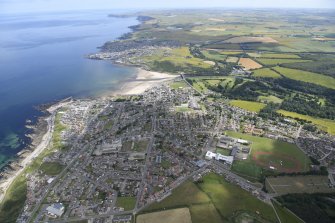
x,y
42,60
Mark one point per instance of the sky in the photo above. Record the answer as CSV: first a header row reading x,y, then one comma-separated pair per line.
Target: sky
x,y
8,6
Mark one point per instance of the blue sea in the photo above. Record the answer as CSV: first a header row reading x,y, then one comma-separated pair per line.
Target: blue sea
x,y
42,59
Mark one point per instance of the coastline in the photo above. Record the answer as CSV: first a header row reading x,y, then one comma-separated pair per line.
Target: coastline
x,y
143,81
43,130
36,148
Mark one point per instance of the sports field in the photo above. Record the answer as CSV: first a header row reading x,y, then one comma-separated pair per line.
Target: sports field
x,y
270,154
248,105
298,184
180,215
324,124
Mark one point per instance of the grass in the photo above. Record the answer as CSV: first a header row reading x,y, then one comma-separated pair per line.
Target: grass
x,y
270,98
13,202
141,146
266,72
278,151
128,203
178,84
298,184
180,215
229,199
215,200
274,55
183,109
248,105
204,212
324,124
214,55
284,214
267,61
306,76
186,194
52,168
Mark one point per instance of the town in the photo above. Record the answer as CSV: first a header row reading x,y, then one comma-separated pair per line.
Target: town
x,y
121,154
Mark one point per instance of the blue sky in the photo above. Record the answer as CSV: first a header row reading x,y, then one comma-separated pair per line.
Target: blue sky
x,y
58,5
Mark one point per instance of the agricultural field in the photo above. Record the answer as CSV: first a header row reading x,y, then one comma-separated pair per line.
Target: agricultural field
x,y
271,62
324,124
274,55
265,72
249,64
232,59
251,39
251,106
306,76
214,55
267,153
298,184
181,215
216,200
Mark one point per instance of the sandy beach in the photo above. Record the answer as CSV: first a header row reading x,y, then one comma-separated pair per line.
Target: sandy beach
x,y
144,80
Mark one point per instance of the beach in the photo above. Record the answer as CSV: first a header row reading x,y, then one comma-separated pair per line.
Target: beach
x,y
143,81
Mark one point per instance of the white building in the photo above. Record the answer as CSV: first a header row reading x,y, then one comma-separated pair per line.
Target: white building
x,y
219,157
56,210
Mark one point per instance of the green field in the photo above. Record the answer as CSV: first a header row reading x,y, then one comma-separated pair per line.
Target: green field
x,y
271,98
274,55
266,152
324,124
268,61
306,76
265,72
213,55
248,105
285,215
298,184
216,200
13,202
128,203
178,84
52,168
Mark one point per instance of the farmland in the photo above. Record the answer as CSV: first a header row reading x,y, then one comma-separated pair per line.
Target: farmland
x,y
216,200
270,62
248,105
265,72
324,124
274,55
298,184
283,156
181,215
306,76
249,64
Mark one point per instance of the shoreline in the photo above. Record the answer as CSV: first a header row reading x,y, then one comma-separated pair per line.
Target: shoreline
x,y
143,81
35,149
